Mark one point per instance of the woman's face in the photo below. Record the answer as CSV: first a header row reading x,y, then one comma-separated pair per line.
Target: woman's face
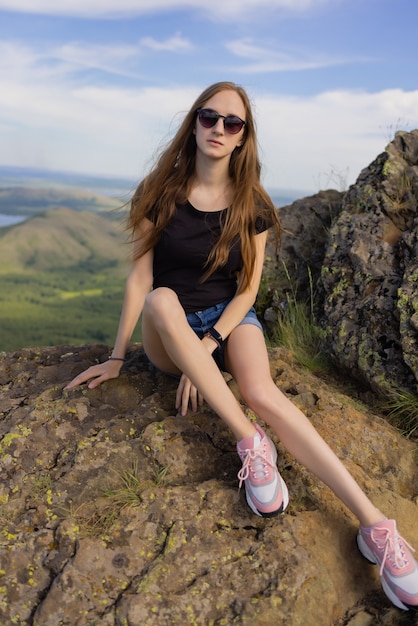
x,y
216,142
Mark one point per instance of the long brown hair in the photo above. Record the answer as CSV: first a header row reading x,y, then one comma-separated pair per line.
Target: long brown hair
x,y
170,182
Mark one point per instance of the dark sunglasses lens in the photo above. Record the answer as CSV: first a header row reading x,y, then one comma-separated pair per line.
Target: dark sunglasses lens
x,y
233,124
208,118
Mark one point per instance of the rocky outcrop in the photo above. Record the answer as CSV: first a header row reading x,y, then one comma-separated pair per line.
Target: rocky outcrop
x,y
356,254
305,229
115,510
293,268
370,271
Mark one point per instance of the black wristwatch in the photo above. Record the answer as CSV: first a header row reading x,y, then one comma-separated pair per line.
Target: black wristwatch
x,y
217,337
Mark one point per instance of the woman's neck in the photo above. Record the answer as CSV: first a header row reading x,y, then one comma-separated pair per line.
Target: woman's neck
x,y
211,189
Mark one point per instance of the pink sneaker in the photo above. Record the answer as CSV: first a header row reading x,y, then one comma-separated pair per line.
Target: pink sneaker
x,y
383,545
265,489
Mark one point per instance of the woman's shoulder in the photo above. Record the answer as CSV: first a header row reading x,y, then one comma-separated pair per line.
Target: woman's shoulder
x,y
265,212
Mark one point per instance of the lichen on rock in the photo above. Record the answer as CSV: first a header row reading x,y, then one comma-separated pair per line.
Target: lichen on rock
x,y
117,511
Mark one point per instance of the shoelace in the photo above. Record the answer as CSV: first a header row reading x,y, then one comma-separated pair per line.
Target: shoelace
x,y
391,546
256,460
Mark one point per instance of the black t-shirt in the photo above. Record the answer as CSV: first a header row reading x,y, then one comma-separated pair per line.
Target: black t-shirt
x,y
181,253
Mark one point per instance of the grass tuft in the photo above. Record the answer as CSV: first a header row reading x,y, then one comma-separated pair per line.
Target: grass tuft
x,y
401,408
126,491
298,331
130,484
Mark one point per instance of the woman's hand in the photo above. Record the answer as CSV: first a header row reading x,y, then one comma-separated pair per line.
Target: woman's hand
x,y
187,394
100,373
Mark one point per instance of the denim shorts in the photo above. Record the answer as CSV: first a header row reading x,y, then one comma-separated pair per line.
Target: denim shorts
x,y
201,321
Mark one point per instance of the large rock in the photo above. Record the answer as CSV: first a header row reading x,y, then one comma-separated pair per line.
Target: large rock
x,y
293,268
370,272
354,257
305,229
117,511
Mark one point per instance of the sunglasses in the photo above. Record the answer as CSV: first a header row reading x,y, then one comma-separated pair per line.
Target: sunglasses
x,y
209,118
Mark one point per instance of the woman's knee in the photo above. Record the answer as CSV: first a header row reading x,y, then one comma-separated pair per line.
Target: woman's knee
x,y
253,395
257,396
161,301
162,311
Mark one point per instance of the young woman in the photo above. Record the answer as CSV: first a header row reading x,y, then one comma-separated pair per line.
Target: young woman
x,y
199,224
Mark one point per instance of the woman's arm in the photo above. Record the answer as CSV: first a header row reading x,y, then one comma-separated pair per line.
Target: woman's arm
x,y
244,300
138,285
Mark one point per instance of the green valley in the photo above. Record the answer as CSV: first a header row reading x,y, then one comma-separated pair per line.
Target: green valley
x,y
62,276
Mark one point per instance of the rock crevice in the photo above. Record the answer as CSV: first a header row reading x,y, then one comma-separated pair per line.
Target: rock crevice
x,y
115,510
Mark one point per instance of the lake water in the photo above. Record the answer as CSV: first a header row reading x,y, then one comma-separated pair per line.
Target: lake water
x,y
9,220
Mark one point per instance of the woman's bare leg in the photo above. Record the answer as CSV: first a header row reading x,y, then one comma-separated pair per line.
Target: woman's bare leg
x,y
247,360
173,346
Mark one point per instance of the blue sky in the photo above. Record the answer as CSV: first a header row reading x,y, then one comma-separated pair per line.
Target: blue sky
x,y
90,88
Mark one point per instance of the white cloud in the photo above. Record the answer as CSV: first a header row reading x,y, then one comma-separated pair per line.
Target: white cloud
x,y
48,117
16,58
218,9
270,60
305,139
112,59
30,64
92,129
173,44
115,130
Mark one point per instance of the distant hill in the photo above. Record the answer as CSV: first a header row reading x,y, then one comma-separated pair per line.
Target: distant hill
x,y
26,201
62,277
97,191
31,200
61,238
63,269
112,186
